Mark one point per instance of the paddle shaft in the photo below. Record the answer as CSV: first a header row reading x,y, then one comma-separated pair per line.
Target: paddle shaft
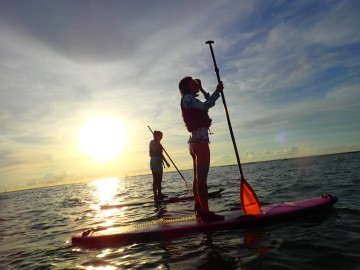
x,y
173,164
225,108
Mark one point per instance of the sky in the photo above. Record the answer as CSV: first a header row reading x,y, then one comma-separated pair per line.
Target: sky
x,y
291,73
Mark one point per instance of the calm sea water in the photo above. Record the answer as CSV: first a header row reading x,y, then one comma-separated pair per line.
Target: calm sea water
x,y
36,225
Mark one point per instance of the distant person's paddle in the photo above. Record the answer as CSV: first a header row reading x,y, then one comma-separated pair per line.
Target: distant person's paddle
x,y
175,166
249,201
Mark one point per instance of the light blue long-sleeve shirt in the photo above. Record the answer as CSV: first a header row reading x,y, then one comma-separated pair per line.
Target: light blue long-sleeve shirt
x,y
189,101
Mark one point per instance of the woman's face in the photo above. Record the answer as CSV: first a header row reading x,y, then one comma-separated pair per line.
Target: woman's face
x,y
193,86
158,136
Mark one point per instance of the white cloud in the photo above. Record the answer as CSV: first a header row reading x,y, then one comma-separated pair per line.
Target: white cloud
x,y
287,66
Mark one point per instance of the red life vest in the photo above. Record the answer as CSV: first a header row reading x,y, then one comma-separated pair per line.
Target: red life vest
x,y
195,118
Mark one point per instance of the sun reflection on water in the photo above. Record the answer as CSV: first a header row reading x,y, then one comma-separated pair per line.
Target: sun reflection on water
x,y
108,267
106,189
104,193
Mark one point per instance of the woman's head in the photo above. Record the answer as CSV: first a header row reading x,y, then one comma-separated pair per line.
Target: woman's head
x,y
158,134
183,86
188,86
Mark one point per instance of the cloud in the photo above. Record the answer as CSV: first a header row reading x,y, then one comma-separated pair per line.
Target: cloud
x,y
337,26
111,31
287,66
48,179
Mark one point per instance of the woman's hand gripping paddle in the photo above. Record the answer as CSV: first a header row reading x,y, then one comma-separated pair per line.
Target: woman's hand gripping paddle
x,y
249,201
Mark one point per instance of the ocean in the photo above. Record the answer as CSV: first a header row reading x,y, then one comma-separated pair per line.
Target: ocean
x,y
36,225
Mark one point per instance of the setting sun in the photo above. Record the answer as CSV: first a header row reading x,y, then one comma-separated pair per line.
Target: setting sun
x,y
102,138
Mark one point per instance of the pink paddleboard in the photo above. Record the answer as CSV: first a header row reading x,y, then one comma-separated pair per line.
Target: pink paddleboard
x,y
169,228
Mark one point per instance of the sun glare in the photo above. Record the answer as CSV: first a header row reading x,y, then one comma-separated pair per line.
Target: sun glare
x,y
102,138
106,189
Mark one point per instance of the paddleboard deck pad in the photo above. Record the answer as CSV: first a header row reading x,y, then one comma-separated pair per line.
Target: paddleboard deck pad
x,y
173,227
164,200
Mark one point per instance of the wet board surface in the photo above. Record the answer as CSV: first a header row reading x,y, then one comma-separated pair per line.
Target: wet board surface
x,y
173,227
165,200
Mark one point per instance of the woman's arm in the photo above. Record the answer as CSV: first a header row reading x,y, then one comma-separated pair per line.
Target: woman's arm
x,y
189,101
163,158
206,94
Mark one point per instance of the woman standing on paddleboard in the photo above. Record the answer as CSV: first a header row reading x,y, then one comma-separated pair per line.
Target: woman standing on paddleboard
x,y
197,121
156,163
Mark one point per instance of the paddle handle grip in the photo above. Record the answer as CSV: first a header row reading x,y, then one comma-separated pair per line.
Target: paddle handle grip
x,y
209,42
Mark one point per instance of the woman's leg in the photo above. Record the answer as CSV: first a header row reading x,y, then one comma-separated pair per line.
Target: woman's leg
x,y
159,183
156,169
201,152
155,185
157,178
195,184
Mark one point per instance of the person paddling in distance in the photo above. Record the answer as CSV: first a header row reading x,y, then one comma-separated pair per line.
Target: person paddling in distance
x,y
197,121
156,163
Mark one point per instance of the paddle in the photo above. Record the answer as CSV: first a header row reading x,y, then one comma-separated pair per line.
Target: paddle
x,y
249,201
174,166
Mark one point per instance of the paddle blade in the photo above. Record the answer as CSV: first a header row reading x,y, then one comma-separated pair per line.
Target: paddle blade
x,y
249,201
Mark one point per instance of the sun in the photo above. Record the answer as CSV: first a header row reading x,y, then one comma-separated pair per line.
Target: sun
x,y
102,138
